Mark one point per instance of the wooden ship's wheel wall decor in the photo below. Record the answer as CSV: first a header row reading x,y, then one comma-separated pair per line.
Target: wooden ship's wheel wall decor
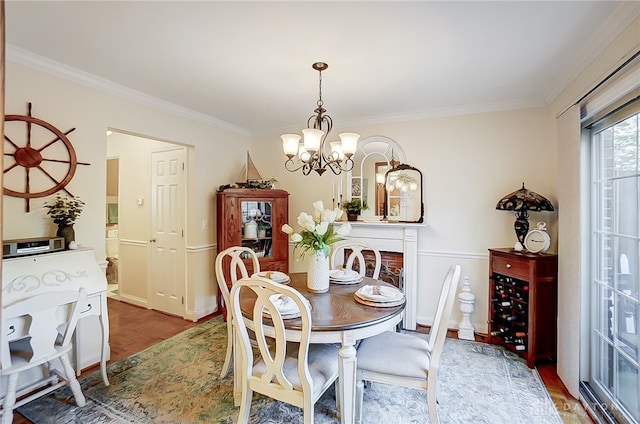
x,y
32,156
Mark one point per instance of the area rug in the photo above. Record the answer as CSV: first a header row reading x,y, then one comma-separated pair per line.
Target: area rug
x,y
177,381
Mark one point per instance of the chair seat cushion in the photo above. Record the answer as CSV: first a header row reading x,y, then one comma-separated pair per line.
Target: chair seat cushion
x,y
323,366
410,355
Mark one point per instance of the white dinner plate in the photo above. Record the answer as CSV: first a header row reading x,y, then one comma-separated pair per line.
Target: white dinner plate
x,y
378,304
277,276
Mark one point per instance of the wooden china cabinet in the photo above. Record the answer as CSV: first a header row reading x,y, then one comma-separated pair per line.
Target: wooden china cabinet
x,y
523,302
253,218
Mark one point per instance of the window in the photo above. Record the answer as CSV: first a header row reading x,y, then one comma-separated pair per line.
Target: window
x,y
615,268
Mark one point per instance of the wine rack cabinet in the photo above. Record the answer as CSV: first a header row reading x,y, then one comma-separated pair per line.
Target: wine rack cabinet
x,y
523,302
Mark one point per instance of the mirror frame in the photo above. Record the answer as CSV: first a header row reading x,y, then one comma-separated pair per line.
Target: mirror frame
x,y
403,167
392,147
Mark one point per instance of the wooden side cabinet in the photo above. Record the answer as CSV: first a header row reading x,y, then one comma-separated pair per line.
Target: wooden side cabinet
x,y
253,218
523,302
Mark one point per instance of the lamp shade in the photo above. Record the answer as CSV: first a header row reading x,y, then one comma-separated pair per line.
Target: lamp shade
x,y
524,200
349,143
312,139
290,144
336,150
521,202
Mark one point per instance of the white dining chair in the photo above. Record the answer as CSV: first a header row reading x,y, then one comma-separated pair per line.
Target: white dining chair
x,y
230,267
293,372
46,323
355,257
406,360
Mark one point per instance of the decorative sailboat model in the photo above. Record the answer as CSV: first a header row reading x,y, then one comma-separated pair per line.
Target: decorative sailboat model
x,y
248,173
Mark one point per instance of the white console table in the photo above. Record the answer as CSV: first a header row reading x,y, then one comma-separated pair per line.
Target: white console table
x,y
70,269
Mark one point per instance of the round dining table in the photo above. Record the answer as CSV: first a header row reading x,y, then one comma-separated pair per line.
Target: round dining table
x,y
336,317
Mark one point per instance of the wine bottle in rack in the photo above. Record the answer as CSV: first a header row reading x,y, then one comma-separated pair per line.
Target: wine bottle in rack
x,y
499,331
519,343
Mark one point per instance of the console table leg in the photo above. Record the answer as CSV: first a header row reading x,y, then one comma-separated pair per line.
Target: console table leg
x,y
104,324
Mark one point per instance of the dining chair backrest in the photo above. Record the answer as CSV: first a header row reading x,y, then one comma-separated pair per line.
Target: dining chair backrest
x,y
438,331
230,267
355,257
265,315
291,371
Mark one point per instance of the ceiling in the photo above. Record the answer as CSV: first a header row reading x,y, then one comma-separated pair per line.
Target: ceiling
x,y
247,65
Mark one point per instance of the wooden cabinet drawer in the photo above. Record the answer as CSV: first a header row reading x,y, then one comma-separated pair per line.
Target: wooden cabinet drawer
x,y
273,266
512,267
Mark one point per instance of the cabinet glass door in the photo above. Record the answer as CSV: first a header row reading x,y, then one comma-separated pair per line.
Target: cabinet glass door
x,y
257,231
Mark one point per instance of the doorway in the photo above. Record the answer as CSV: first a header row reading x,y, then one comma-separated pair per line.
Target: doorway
x,y
136,234
111,219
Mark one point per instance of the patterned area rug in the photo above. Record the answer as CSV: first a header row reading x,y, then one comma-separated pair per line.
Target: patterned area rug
x,y
177,381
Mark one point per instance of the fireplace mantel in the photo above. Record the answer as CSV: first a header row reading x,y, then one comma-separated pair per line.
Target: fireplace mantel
x,y
396,237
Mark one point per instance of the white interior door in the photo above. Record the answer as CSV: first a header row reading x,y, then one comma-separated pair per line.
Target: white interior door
x,y
167,262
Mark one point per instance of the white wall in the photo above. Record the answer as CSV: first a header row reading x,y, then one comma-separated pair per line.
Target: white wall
x,y
468,164
67,104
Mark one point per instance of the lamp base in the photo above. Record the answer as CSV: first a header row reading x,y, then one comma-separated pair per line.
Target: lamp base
x,y
521,226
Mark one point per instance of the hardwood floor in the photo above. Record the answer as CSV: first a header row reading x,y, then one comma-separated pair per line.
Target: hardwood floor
x,y
133,329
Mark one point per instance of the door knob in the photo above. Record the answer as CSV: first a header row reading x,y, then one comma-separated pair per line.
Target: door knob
x,y
152,240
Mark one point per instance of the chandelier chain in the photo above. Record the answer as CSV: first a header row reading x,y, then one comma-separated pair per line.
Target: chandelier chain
x,y
320,102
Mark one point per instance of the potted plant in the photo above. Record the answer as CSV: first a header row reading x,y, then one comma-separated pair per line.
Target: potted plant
x,y
263,226
65,211
353,208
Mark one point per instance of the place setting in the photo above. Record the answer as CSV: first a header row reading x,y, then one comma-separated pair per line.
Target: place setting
x,y
287,307
275,276
379,296
344,276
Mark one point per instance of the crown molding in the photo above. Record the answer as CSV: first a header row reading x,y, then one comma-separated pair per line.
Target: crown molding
x,y
43,64
440,112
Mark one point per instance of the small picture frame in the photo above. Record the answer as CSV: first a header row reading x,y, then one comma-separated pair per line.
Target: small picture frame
x,y
359,187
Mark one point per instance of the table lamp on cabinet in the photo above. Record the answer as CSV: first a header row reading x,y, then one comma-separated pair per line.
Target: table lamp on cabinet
x,y
522,202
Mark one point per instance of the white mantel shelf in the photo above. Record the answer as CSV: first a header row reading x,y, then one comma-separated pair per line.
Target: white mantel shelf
x,y
399,237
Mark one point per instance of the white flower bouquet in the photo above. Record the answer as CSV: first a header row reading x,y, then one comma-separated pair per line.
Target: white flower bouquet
x,y
318,231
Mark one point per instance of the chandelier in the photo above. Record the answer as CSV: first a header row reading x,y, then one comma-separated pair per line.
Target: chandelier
x,y
311,154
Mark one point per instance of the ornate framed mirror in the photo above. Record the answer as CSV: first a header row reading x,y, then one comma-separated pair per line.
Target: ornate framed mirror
x,y
374,157
403,184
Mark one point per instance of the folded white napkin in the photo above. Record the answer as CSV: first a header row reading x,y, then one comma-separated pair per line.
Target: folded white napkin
x,y
277,276
286,305
344,274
